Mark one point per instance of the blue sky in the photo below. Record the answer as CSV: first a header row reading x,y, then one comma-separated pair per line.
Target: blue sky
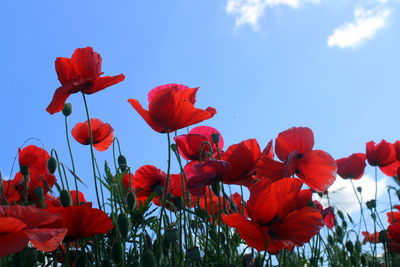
x,y
265,65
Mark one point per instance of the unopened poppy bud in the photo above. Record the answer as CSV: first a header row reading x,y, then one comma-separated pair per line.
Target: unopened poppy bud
x,y
82,260
65,198
174,148
123,225
116,253
24,170
122,163
358,246
359,189
339,233
349,246
67,110
215,138
216,188
383,236
340,214
147,258
131,201
39,192
194,254
363,260
344,224
171,235
159,190
52,165
371,204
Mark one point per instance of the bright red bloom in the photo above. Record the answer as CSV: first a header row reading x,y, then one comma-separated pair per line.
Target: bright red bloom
x,y
371,238
35,158
294,148
81,73
243,158
205,173
383,155
394,235
20,225
144,181
83,221
277,221
351,167
102,134
171,107
189,145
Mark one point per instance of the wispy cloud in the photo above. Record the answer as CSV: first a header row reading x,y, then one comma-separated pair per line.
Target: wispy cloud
x,y
250,11
364,27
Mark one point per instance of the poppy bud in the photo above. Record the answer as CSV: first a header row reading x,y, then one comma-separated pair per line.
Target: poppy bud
x,y
24,170
344,224
131,201
350,246
147,258
371,204
116,253
353,260
171,235
39,192
122,163
339,233
359,189
363,260
216,188
123,225
215,138
174,148
82,260
383,236
194,253
357,246
67,110
52,165
65,198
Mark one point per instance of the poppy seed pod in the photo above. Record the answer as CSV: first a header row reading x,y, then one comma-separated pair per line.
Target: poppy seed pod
x,y
52,165
24,170
122,163
67,110
123,225
174,148
371,204
215,138
147,258
131,201
65,198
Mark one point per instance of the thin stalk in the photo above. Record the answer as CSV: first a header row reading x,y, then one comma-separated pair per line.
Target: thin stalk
x,y
71,155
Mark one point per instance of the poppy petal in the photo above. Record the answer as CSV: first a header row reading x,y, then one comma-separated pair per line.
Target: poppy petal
x,y
60,96
46,239
299,139
12,243
86,62
103,82
156,126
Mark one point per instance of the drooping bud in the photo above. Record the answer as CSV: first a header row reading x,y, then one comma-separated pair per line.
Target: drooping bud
x,y
215,138
174,148
116,253
349,246
122,163
131,201
67,110
24,170
52,165
147,259
358,246
123,225
65,198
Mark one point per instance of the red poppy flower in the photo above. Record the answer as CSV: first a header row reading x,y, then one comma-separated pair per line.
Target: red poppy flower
x,y
102,134
394,235
189,145
20,225
351,167
243,158
145,180
83,221
276,219
383,155
171,107
394,216
35,158
212,204
371,238
294,148
80,73
205,173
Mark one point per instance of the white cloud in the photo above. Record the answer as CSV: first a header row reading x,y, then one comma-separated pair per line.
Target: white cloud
x,y
342,196
364,27
250,11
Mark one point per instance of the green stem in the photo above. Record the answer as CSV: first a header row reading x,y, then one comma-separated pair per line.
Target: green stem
x,y
71,156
